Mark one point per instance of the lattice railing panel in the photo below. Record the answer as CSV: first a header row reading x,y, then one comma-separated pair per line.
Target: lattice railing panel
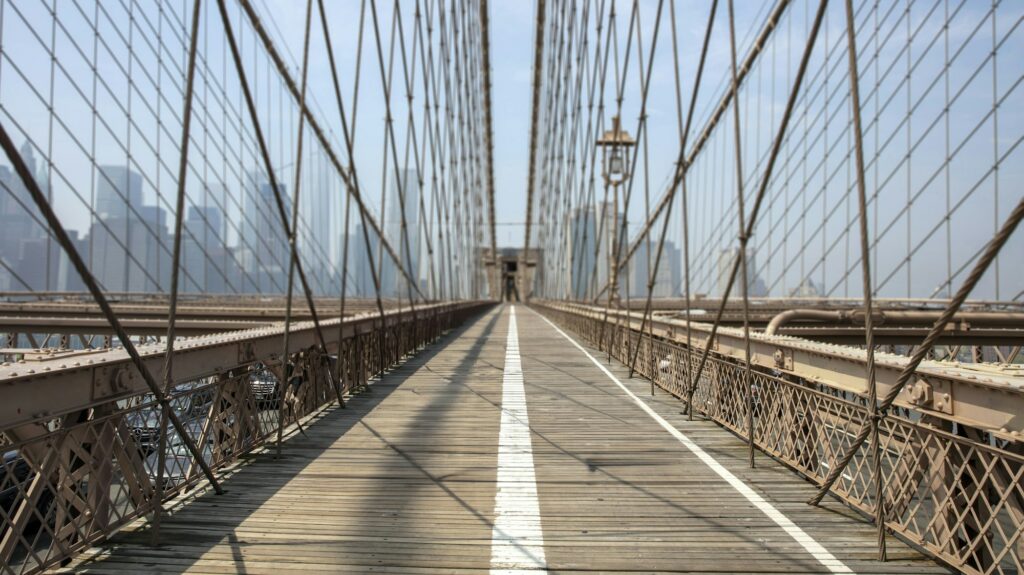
x,y
948,489
68,482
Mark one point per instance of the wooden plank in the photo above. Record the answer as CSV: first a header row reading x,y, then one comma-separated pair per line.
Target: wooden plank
x,y
403,481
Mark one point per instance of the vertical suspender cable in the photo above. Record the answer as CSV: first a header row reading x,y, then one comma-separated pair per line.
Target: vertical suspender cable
x,y
748,392
172,308
765,179
538,55
865,261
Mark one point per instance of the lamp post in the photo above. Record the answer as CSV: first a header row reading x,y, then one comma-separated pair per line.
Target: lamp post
x,y
615,161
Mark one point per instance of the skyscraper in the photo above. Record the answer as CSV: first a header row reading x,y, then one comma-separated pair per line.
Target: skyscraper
x,y
204,251
25,248
361,263
129,238
669,274
393,282
117,188
755,285
581,241
265,252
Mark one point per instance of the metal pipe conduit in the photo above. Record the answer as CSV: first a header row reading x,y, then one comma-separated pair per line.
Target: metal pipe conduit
x,y
882,317
987,399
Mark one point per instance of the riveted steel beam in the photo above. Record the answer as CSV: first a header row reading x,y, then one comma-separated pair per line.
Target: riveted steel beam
x,y
66,382
983,396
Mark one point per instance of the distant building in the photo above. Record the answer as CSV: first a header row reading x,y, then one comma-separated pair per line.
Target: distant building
x,y
67,276
755,285
669,270
209,263
580,246
393,282
30,258
362,257
589,261
129,240
264,253
117,190
806,289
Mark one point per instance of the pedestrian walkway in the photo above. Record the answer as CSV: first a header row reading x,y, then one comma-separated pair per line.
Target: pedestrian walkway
x,y
507,447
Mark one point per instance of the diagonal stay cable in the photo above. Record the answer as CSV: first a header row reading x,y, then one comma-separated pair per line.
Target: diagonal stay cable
x,y
705,135
921,351
314,125
348,134
294,252
269,167
172,308
869,333
685,132
765,180
620,234
61,235
390,143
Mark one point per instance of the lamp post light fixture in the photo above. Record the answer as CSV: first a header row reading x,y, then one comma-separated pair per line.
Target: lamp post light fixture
x,y
615,145
615,162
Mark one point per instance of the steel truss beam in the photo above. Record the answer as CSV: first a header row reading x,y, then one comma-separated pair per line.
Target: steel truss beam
x,y
950,488
80,380
984,397
240,308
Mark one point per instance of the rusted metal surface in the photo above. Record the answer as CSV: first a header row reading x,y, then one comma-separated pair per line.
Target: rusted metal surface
x,y
1006,320
134,326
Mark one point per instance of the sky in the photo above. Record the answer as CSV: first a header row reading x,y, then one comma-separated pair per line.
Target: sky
x,y
901,41
512,24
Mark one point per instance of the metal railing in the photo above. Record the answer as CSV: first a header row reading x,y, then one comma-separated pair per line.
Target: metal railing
x,y
70,480
954,491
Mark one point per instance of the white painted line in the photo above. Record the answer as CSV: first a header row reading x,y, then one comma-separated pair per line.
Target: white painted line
x,y
799,535
517,540
846,476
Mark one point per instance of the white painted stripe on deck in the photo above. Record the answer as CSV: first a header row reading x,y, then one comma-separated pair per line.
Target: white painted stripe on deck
x,y
517,540
818,551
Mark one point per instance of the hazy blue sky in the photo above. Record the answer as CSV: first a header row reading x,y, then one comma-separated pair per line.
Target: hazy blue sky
x,y
512,28
911,61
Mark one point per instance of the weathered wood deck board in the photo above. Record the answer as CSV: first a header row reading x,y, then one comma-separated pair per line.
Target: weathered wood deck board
x,y
608,472
403,481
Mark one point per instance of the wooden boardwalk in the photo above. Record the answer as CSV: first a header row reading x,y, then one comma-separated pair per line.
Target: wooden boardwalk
x,y
404,481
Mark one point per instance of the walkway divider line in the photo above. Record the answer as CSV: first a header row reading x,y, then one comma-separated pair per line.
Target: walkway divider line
x,y
818,551
517,540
